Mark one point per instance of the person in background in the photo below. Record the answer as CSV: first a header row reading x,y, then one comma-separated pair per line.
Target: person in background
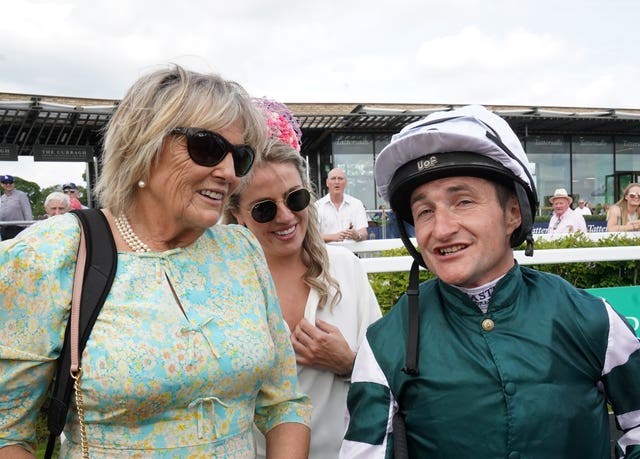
x,y
57,203
582,208
74,195
323,290
14,206
342,217
504,361
624,215
190,348
564,218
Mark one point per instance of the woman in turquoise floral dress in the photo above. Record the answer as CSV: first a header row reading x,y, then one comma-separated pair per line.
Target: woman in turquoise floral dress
x,y
190,348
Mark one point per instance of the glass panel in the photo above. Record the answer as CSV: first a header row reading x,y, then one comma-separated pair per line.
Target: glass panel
x,y
354,155
592,161
609,192
628,153
550,166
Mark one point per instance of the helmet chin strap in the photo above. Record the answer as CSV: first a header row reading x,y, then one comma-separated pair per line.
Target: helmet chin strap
x,y
413,296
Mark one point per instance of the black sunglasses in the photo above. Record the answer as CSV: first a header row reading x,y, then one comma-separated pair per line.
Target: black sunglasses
x,y
207,148
265,211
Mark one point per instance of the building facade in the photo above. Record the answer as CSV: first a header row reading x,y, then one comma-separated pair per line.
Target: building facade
x,y
593,153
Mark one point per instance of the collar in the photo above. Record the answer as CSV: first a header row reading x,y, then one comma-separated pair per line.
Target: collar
x,y
503,297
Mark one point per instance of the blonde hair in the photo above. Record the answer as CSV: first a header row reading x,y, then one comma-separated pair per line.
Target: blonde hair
x,y
156,104
623,205
313,248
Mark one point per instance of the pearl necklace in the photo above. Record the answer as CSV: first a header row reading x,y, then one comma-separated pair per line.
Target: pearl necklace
x,y
131,238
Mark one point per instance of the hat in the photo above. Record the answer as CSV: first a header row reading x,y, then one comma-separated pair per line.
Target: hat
x,y
69,186
470,141
282,123
6,178
560,193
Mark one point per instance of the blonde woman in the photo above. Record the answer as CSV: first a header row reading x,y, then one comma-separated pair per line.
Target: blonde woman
x,y
624,215
189,351
323,290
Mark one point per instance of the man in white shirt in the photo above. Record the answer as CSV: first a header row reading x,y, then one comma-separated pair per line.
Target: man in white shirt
x,y
583,208
342,217
564,218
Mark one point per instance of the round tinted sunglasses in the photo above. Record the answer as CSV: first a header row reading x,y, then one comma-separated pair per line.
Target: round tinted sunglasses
x,y
265,211
207,148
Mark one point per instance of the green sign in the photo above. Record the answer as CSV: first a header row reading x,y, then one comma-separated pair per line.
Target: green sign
x,y
625,300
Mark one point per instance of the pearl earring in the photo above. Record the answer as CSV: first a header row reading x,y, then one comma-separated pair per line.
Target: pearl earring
x,y
142,184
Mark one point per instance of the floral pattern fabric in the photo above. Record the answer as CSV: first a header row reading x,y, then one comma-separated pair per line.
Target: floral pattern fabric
x,y
188,351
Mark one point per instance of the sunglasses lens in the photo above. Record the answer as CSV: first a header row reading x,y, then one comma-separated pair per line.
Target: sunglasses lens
x,y
298,200
264,211
206,148
634,195
242,159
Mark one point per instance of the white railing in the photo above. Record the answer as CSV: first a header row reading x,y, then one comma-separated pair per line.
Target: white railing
x,y
373,263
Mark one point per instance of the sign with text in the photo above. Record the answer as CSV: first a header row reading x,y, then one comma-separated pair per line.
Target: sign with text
x,y
625,300
62,153
8,152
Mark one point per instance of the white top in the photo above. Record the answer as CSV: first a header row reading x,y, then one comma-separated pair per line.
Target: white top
x,y
584,210
334,220
328,392
570,222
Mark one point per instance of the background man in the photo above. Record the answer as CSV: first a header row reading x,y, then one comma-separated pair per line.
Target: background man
x,y
74,195
14,206
583,208
341,216
564,218
490,359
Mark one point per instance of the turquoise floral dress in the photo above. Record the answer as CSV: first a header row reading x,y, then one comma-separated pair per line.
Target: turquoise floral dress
x,y
188,351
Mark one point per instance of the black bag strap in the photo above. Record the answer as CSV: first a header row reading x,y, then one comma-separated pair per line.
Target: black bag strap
x,y
99,271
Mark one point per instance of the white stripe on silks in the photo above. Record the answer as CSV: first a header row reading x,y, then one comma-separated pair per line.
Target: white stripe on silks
x,y
622,342
629,439
356,450
366,368
628,420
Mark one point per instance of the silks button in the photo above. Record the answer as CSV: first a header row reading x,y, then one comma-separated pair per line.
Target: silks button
x,y
510,388
488,325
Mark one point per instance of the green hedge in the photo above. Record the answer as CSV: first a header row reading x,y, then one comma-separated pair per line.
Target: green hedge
x,y
388,287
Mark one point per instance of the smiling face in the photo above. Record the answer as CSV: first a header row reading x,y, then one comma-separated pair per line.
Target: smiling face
x,y
633,196
8,186
282,236
560,205
184,197
463,231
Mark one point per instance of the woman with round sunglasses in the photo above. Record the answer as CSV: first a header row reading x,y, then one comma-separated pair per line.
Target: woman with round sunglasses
x,y
190,349
323,290
624,215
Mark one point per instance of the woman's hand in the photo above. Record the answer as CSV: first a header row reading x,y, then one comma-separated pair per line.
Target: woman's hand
x,y
322,346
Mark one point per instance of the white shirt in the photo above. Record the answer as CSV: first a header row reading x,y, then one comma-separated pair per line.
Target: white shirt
x,y
583,210
350,212
569,222
328,392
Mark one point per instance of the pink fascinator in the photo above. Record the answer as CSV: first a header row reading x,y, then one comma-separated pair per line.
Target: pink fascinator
x,y
283,125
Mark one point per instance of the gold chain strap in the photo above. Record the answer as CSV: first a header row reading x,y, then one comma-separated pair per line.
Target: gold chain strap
x,y
80,407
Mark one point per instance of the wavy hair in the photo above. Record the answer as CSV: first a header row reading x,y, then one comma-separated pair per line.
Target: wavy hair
x,y
314,251
156,104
